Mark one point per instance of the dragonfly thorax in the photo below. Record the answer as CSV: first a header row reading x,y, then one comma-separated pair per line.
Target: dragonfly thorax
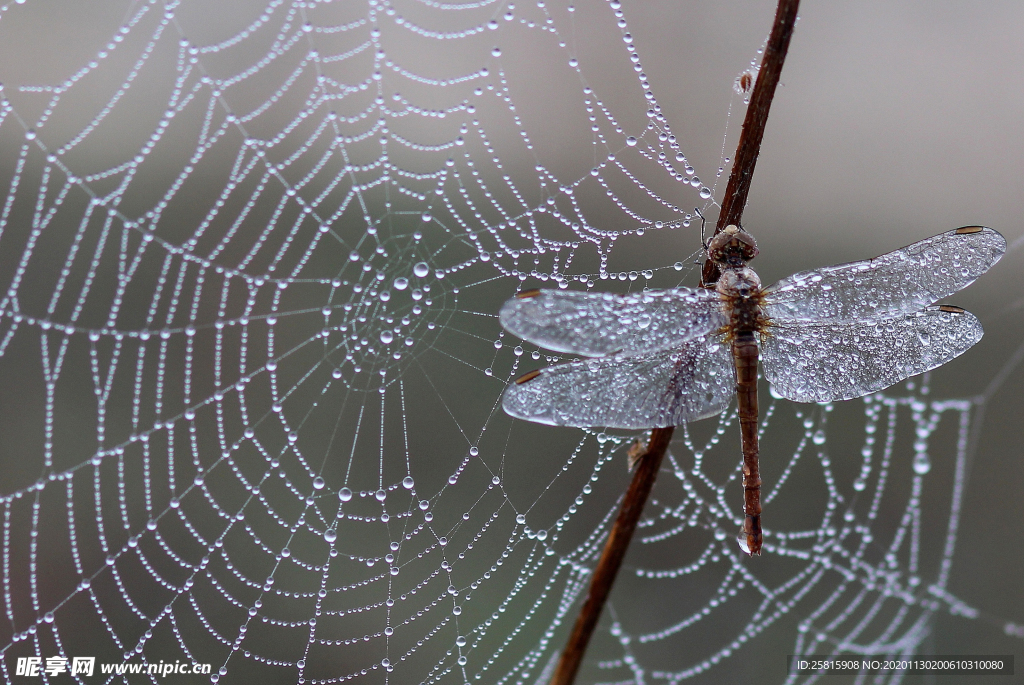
x,y
740,290
739,282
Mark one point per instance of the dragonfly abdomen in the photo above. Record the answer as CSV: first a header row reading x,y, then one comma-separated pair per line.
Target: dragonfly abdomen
x,y
740,289
744,354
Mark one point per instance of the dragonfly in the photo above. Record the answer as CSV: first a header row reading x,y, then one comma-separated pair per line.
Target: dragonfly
x,y
661,358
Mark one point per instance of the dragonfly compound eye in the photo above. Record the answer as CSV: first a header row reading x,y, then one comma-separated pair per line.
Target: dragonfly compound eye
x,y
732,245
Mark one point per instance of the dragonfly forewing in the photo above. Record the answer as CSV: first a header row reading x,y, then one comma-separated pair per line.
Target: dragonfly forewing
x,y
693,381
595,324
822,362
899,282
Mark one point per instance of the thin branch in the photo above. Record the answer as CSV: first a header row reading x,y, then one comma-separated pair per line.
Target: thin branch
x,y
611,558
753,125
649,463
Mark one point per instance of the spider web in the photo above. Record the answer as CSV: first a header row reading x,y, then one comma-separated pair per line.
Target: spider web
x,y
251,260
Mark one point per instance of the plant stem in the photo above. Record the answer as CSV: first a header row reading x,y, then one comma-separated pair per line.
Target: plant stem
x,y
649,464
611,558
753,125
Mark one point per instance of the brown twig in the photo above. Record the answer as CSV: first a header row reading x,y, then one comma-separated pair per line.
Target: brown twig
x,y
753,125
611,558
650,462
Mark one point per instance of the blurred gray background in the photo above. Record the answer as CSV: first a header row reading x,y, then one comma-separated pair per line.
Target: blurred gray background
x,y
893,121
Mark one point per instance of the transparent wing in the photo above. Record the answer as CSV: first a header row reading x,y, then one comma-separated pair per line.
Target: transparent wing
x,y
821,362
648,390
899,282
595,324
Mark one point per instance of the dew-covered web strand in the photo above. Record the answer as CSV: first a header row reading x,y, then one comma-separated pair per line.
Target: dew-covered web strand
x,y
257,496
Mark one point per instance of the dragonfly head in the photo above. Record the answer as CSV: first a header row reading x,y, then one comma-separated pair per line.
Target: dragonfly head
x,y
732,247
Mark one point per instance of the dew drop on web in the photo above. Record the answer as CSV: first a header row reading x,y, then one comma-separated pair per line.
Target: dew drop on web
x,y
922,464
